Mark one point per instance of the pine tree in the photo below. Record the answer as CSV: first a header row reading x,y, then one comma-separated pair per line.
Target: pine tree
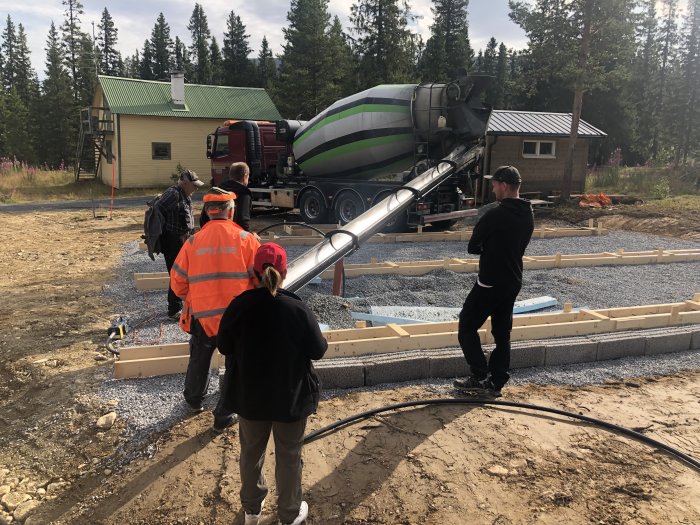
x,y
162,49
450,32
107,45
9,50
344,80
146,62
132,65
17,140
306,69
87,77
495,95
689,136
58,124
266,71
72,36
238,67
669,40
217,64
199,28
182,59
433,66
384,44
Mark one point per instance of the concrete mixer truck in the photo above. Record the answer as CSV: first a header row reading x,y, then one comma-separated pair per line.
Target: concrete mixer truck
x,y
361,149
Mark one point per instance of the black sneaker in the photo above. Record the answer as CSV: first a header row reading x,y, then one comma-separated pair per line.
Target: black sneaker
x,y
195,408
473,385
221,424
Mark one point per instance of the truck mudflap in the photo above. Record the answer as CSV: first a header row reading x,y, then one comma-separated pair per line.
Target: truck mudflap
x,y
451,216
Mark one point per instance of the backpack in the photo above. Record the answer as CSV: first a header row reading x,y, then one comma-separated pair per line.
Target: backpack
x,y
153,227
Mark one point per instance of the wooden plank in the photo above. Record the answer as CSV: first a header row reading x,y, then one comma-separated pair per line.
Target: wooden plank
x,y
393,338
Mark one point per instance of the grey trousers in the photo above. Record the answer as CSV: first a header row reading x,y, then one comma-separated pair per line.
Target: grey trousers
x,y
288,437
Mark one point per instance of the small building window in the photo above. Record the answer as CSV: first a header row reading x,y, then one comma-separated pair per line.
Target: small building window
x,y
539,148
160,150
108,151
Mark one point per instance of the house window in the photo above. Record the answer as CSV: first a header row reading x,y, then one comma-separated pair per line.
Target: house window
x,y
108,150
539,148
160,150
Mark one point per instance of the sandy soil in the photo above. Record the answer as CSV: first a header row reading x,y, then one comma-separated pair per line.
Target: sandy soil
x,y
438,464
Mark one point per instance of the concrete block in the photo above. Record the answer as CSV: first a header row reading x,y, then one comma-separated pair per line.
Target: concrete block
x,y
340,373
695,340
570,350
615,346
446,363
673,341
524,354
395,368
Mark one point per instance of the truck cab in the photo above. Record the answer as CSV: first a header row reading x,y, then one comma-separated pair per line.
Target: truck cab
x,y
249,141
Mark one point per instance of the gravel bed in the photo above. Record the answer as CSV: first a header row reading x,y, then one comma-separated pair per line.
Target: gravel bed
x,y
155,404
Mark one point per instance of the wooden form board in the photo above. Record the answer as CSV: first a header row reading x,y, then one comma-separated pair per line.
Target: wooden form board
x,y
160,280
169,359
297,236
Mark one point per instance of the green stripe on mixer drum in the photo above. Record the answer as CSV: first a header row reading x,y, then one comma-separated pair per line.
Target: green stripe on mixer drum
x,y
354,147
363,108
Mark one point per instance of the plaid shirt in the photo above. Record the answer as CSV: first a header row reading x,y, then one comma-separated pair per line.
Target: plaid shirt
x,y
176,207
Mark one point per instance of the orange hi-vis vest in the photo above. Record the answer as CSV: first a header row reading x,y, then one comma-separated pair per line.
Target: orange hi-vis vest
x,y
214,266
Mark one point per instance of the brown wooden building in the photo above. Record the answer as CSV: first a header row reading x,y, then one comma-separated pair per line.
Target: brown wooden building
x,y
537,144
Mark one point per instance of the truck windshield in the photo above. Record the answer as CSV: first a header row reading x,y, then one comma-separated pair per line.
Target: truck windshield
x,y
220,146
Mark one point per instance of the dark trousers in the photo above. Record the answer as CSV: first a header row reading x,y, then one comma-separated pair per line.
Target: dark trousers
x,y
170,244
480,303
198,371
288,437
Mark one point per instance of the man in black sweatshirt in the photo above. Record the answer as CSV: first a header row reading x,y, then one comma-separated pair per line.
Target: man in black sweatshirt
x,y
237,182
500,238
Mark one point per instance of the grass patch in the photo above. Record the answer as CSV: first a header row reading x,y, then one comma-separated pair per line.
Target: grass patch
x,y
646,182
22,183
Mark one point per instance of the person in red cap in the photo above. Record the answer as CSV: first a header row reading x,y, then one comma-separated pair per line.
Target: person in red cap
x,y
214,266
271,336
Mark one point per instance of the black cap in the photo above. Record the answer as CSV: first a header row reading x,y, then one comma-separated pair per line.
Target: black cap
x,y
191,176
507,174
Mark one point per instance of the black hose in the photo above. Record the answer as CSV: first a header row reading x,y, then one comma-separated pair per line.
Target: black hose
x,y
461,401
291,224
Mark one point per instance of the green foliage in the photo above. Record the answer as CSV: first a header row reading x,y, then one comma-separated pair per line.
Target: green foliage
x,y
161,49
384,42
238,69
107,42
306,70
201,36
175,175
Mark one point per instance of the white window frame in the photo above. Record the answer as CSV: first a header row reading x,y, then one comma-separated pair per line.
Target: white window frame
x,y
537,154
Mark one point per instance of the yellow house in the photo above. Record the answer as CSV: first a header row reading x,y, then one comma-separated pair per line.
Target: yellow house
x,y
138,131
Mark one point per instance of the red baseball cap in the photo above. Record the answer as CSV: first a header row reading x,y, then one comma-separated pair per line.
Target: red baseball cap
x,y
271,254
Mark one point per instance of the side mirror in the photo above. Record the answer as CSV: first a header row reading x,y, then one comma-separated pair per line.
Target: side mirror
x,y
208,146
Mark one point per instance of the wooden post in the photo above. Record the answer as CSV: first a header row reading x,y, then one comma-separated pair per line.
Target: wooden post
x,y
568,307
360,324
338,278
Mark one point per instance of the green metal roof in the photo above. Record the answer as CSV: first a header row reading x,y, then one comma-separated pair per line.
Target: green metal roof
x,y
130,96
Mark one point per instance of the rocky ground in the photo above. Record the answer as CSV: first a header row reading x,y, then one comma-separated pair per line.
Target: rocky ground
x,y
424,465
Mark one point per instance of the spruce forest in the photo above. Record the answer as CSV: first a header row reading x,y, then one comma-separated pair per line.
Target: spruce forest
x,y
631,67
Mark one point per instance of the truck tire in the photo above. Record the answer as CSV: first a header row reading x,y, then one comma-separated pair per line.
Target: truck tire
x,y
347,206
312,207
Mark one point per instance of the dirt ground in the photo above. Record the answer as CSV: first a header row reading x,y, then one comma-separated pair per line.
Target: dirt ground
x,y
436,464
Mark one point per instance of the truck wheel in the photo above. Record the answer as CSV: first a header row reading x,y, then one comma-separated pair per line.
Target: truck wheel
x,y
312,207
347,206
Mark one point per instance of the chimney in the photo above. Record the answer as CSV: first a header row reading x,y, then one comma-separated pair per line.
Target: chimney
x,y
177,88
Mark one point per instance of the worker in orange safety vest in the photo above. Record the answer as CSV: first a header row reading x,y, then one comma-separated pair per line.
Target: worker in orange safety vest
x,y
214,266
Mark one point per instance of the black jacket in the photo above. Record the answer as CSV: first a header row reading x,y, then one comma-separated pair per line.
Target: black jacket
x,y
271,341
244,202
500,237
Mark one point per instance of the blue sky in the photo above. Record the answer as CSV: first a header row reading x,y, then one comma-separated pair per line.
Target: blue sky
x,y
135,19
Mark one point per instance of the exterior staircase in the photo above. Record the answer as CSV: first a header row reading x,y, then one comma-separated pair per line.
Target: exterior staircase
x,y
92,146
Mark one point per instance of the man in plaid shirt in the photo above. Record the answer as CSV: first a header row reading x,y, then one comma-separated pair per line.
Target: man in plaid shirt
x,y
176,206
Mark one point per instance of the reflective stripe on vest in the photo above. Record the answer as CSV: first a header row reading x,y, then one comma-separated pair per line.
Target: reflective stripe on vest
x,y
218,276
179,270
208,313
